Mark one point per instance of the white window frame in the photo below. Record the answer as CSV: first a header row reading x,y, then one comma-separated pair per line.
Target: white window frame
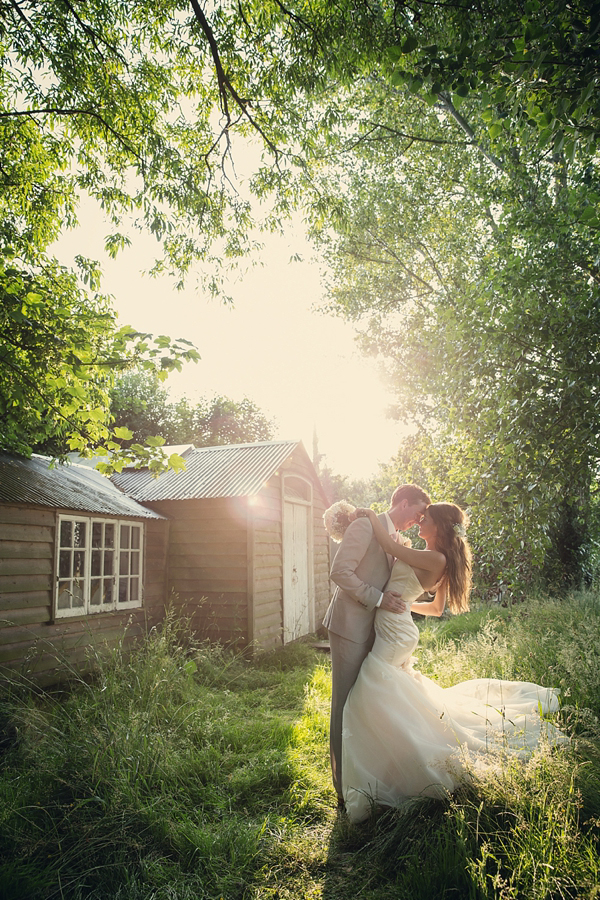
x,y
81,570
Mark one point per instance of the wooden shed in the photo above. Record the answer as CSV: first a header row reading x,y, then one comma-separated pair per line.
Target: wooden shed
x,y
248,554
80,564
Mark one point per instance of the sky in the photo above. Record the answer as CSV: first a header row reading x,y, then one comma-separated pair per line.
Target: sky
x,y
299,366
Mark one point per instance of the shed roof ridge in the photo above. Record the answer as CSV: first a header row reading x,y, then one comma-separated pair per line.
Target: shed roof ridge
x,y
245,444
223,470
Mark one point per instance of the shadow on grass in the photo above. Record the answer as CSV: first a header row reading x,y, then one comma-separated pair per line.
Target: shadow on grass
x,y
411,854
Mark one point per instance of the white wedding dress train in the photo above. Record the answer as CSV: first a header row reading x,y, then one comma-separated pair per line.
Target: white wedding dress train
x,y
405,736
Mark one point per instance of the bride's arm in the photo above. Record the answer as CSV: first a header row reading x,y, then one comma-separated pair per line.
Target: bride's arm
x,y
430,560
433,607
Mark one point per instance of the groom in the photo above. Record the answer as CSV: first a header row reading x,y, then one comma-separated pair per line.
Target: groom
x,y
360,570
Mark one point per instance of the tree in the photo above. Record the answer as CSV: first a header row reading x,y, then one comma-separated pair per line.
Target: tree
x,y
59,353
118,101
532,67
479,284
220,420
80,109
140,404
358,491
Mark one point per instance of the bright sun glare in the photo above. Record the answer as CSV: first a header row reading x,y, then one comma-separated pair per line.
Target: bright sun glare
x,y
300,367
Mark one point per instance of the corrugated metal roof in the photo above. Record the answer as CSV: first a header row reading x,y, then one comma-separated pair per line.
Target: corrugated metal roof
x,y
234,470
64,487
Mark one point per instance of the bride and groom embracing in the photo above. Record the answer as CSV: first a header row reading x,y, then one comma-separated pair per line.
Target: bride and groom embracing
x,y
395,734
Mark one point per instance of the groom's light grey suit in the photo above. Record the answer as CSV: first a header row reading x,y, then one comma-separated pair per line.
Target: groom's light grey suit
x,y
360,570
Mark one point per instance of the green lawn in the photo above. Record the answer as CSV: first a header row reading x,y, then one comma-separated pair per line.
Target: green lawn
x,y
186,772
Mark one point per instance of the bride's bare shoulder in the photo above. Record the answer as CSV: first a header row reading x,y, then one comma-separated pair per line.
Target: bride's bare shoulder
x,y
437,558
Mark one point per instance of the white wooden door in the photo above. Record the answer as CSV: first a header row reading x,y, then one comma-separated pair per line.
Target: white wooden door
x,y
296,581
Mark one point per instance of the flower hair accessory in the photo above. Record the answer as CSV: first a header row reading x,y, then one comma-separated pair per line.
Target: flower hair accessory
x,y
337,518
460,529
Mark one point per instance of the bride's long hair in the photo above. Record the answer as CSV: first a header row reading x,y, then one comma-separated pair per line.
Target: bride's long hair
x,y
451,540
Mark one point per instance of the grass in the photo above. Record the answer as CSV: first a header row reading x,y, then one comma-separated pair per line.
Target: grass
x,y
184,771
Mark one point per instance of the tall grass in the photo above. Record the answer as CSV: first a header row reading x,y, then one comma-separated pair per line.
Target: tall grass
x,y
165,775
184,771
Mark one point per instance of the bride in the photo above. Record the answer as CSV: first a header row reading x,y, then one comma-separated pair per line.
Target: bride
x,y
403,735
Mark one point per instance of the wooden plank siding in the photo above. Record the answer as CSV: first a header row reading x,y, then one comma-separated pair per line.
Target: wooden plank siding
x,y
30,642
207,564
267,613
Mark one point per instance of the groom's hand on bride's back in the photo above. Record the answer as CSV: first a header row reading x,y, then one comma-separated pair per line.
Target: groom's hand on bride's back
x,y
393,602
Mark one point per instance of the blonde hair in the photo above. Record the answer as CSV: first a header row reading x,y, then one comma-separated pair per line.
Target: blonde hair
x,y
452,542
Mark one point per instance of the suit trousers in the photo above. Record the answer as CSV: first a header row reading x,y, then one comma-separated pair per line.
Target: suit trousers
x,y
346,659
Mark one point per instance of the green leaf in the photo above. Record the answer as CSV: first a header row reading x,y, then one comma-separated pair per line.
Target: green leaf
x,y
393,53
124,434
399,78
177,462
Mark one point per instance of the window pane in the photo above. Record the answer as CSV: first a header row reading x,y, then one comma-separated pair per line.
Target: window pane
x,y
108,562
124,564
134,589
97,534
77,598
135,564
108,592
123,582
125,537
135,537
96,562
109,535
64,596
96,595
297,488
79,534
64,564
78,562
66,534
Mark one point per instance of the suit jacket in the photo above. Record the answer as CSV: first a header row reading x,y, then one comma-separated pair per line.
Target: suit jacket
x,y
360,570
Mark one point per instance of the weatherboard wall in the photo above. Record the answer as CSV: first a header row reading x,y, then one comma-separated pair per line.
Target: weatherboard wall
x,y
207,570
266,566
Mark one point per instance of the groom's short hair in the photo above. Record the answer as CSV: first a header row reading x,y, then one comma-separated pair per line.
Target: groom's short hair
x,y
411,492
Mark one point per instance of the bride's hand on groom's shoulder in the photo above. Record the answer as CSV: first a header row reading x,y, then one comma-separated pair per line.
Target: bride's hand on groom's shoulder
x,y
363,513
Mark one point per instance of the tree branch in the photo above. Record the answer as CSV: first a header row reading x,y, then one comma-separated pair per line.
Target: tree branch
x,y
94,35
75,111
29,26
449,107
412,137
225,85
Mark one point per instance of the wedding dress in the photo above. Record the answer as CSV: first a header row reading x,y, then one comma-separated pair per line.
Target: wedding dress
x,y
405,736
